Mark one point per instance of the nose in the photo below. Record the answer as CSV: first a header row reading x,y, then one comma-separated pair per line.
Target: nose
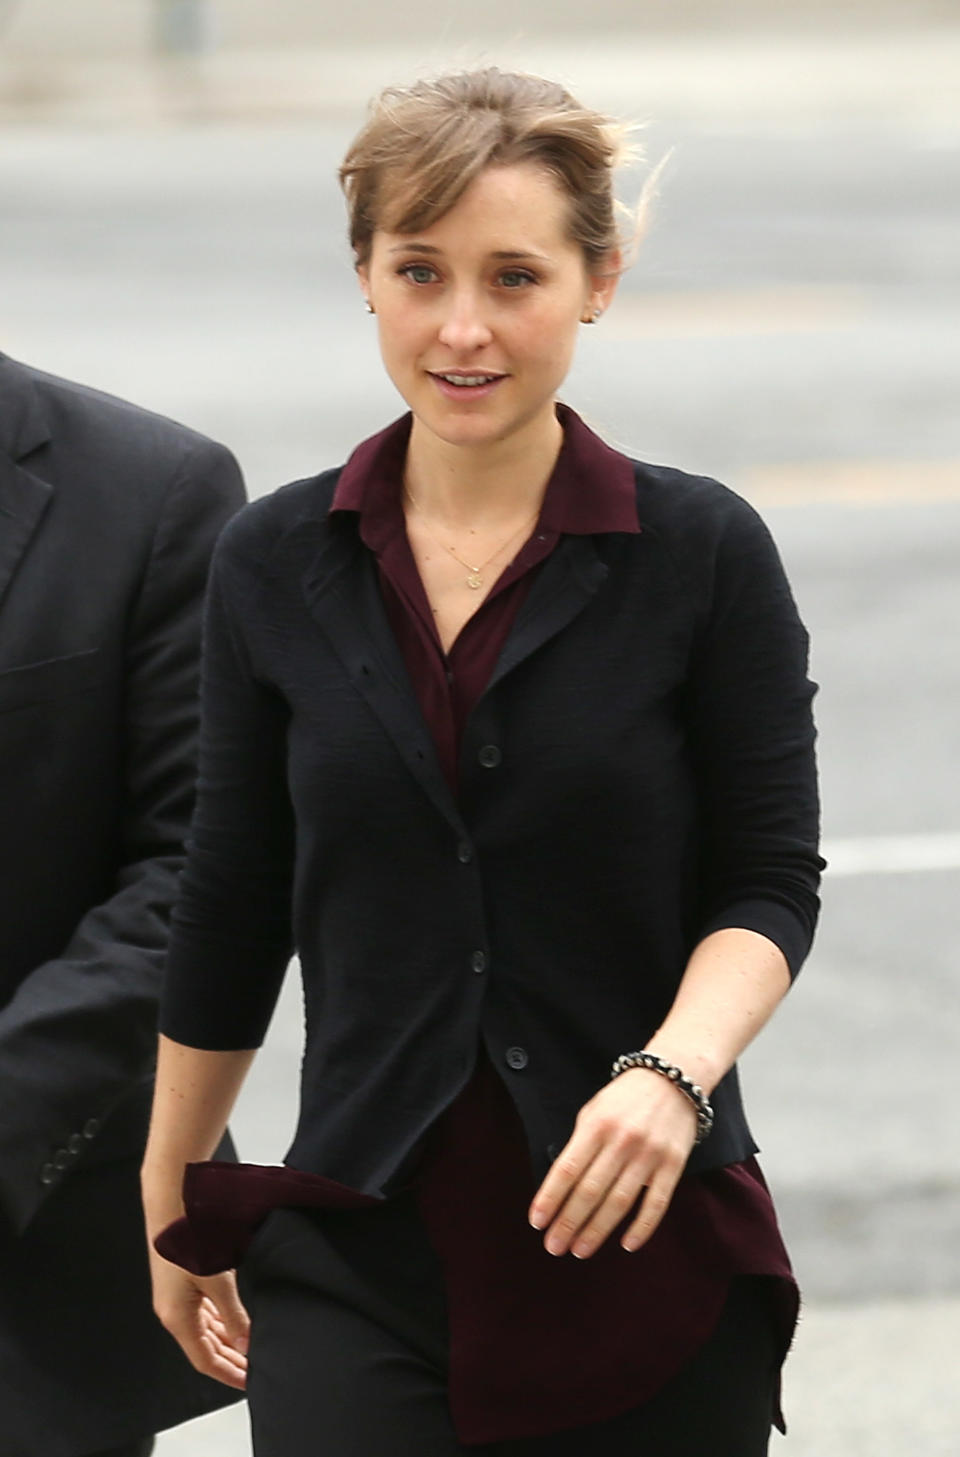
x,y
464,328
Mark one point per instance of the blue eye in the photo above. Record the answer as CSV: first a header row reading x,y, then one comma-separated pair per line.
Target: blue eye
x,y
418,272
516,278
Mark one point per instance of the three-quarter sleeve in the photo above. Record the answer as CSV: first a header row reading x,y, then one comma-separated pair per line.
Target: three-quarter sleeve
x,y
231,934
753,737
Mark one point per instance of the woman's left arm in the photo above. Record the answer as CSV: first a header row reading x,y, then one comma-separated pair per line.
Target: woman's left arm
x,y
636,1134
751,739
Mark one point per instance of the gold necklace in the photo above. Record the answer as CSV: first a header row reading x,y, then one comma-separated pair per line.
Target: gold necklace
x,y
475,578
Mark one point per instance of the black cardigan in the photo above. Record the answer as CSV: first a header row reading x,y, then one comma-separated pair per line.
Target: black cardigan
x,y
639,773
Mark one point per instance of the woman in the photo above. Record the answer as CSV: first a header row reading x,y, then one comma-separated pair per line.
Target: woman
x,y
510,737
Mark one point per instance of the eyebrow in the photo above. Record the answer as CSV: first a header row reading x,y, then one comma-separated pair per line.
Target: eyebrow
x,y
515,255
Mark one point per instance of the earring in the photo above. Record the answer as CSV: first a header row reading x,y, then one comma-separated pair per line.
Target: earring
x,y
592,318
369,306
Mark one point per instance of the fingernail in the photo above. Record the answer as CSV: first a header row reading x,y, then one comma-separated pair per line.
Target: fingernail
x,y
580,1252
630,1245
554,1247
537,1221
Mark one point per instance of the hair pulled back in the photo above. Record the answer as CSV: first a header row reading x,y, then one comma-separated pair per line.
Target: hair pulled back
x,y
424,144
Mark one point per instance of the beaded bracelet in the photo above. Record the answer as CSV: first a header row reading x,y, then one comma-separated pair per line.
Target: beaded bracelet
x,y
690,1090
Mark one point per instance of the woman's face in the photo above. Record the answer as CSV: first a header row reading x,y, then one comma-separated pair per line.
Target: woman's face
x,y
478,314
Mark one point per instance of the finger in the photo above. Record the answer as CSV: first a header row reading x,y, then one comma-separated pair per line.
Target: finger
x,y
656,1202
201,1350
217,1332
225,1303
584,1199
224,1352
213,1363
565,1170
621,1197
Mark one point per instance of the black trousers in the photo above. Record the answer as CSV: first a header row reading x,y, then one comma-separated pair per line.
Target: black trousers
x,y
348,1356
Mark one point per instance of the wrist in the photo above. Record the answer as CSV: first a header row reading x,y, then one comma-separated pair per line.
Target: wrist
x,y
161,1197
700,1066
684,1084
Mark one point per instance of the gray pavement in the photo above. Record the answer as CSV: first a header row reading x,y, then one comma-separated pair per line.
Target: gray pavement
x,y
790,327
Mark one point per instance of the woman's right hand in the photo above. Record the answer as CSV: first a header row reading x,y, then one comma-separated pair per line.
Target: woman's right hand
x,y
205,1316
194,1092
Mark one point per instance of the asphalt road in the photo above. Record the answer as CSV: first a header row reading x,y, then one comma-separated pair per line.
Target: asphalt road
x,y
790,326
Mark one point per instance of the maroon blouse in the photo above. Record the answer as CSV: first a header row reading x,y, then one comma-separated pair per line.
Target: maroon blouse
x,y
537,1344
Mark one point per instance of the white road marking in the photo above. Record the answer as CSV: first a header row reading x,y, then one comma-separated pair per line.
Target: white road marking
x,y
722,313
892,854
850,482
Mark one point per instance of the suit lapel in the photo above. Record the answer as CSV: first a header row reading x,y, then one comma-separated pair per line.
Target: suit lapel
x,y
567,581
344,597
23,500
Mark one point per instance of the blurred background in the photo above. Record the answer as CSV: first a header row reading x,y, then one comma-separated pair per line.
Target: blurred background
x,y
171,230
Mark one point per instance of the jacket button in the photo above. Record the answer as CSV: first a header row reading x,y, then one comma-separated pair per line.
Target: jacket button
x,y
516,1058
75,1143
48,1174
61,1159
464,852
553,1150
91,1128
489,756
478,961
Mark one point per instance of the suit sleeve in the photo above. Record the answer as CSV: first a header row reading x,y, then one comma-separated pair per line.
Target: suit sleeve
x,y
80,1031
753,737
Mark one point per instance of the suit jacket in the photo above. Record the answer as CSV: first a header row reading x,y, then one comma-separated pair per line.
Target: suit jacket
x,y
108,515
638,773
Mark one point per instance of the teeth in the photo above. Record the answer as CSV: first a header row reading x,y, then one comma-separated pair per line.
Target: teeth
x,y
468,379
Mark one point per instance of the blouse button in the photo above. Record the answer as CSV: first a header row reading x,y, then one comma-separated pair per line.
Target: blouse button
x,y
478,962
517,1058
464,852
489,756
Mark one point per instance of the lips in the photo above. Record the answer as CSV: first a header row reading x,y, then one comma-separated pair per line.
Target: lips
x,y
468,381
459,385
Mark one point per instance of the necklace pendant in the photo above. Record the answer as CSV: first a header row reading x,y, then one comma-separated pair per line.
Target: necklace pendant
x,y
475,581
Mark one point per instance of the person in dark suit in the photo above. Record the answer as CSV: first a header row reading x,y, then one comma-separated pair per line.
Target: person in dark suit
x,y
510,737
108,515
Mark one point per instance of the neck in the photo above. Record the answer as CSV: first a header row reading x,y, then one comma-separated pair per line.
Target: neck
x,y
497,482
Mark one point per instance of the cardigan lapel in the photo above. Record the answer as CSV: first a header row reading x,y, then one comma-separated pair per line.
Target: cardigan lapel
x,y
344,597
567,581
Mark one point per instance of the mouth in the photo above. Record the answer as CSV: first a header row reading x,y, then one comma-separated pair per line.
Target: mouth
x,y
462,385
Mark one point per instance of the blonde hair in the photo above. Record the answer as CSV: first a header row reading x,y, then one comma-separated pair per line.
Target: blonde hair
x,y
424,144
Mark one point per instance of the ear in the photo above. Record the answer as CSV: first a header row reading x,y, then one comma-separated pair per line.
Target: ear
x,y
602,285
363,276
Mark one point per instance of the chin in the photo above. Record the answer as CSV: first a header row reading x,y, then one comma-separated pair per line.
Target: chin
x,y
460,428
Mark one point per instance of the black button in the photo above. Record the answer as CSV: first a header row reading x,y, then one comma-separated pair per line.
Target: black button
x,y
552,1150
48,1174
61,1159
75,1143
478,961
464,852
489,756
516,1058
91,1128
